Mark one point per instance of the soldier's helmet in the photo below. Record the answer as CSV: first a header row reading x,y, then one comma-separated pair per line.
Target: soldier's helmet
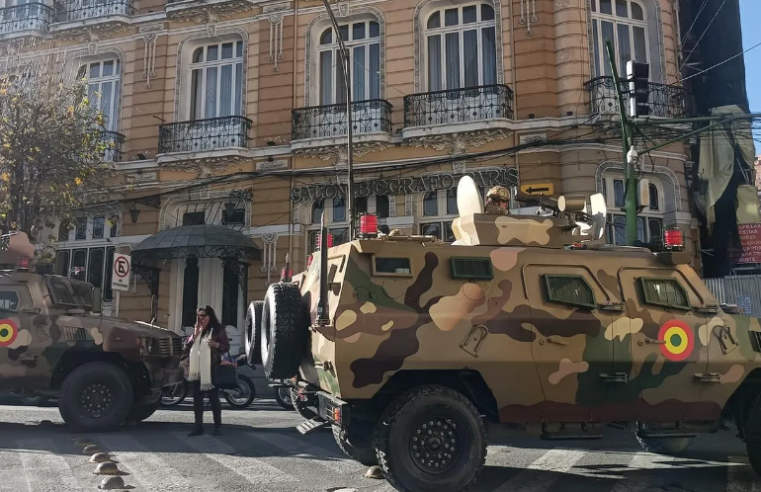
x,y
499,193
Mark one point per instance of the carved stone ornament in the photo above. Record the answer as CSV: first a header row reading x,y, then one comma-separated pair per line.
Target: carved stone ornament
x,y
276,32
528,15
206,12
204,167
269,255
458,143
338,153
271,165
107,27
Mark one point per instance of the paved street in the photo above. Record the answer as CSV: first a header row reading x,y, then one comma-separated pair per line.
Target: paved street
x,y
261,450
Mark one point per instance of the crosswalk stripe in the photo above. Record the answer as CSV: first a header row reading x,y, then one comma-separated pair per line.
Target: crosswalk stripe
x,y
10,478
146,466
556,460
252,469
333,459
644,462
43,469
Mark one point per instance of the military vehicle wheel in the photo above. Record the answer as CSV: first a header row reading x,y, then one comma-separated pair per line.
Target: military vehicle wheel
x,y
431,438
253,333
664,445
284,331
96,396
753,433
361,446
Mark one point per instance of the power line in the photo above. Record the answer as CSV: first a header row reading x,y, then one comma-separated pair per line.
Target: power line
x,y
697,43
720,63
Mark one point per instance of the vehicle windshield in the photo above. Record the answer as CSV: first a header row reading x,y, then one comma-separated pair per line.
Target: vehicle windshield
x,y
62,293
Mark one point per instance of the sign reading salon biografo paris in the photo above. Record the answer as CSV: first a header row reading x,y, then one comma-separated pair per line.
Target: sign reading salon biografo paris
x,y
486,178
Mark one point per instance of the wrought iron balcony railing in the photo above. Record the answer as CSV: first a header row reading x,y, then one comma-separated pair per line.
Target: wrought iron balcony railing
x,y
114,141
79,11
26,17
471,104
370,116
666,101
200,135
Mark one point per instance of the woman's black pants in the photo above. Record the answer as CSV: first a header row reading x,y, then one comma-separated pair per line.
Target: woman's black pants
x,y
216,405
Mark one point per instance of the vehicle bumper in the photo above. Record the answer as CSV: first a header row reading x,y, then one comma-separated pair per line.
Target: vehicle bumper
x,y
333,409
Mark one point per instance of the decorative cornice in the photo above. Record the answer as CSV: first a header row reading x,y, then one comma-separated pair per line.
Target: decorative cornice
x,y
205,12
458,143
205,167
94,30
339,153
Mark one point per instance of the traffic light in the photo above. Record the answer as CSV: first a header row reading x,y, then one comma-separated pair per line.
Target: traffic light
x,y
638,76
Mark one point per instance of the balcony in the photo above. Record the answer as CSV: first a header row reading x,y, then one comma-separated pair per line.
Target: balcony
x,y
227,132
192,10
113,141
31,19
666,101
473,109
74,18
324,126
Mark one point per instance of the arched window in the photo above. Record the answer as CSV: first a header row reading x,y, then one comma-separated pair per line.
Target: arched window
x,y
460,47
362,38
649,221
217,80
317,209
653,196
103,77
623,23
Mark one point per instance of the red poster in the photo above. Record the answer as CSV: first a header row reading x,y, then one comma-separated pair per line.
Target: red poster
x,y
750,238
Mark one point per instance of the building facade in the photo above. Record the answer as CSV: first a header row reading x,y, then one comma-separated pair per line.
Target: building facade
x,y
231,113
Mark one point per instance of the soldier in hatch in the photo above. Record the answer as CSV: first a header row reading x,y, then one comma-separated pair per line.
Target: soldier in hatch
x,y
497,201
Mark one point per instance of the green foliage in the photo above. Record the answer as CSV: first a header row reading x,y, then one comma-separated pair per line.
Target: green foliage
x,y
51,151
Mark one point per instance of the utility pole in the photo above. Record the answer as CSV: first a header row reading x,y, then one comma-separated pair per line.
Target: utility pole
x,y
345,71
627,131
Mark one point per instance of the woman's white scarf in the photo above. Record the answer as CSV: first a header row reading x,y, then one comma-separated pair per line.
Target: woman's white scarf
x,y
200,362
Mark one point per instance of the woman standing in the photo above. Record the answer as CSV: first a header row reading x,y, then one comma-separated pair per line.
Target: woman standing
x,y
213,343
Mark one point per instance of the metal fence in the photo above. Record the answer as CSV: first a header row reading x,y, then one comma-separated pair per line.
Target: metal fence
x,y
743,290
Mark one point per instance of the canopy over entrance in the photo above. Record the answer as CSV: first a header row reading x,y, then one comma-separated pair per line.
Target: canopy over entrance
x,y
200,241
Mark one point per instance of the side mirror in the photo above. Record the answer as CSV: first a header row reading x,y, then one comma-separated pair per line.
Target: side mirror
x,y
97,300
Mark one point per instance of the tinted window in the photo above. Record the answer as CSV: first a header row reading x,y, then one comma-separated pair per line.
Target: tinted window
x,y
8,300
572,290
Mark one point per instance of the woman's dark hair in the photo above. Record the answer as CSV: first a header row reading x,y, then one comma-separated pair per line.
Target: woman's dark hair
x,y
213,321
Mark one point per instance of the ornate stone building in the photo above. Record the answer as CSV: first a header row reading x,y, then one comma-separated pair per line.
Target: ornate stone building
x,y
231,113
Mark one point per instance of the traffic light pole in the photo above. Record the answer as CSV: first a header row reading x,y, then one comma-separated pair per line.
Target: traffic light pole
x,y
630,197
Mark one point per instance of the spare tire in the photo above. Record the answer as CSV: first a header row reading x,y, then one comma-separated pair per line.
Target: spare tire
x,y
284,331
252,333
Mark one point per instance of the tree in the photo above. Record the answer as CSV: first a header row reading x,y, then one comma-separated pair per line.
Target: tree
x,y
51,149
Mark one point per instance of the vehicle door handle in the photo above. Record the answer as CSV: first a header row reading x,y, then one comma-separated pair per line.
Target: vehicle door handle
x,y
616,377
650,341
553,340
711,377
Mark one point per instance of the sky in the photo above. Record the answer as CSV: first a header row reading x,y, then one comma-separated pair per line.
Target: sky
x,y
750,14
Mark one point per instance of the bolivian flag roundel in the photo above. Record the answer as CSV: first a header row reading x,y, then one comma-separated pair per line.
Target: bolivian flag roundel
x,y
8,332
678,340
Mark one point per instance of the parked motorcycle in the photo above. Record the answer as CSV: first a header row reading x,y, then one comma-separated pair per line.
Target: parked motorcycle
x,y
238,398
284,397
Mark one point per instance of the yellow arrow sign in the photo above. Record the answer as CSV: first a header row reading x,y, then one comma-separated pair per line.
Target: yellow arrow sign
x,y
538,189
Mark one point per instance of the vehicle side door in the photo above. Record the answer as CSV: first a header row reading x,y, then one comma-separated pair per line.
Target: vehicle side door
x,y
570,350
667,355
17,342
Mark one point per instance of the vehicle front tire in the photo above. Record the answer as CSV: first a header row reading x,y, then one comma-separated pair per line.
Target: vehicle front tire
x,y
665,445
95,397
356,442
753,433
253,333
431,439
284,331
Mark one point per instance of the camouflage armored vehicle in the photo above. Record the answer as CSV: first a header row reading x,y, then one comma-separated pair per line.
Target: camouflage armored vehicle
x,y
104,371
410,348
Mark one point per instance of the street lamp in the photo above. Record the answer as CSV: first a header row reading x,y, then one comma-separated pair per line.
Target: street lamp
x,y
350,133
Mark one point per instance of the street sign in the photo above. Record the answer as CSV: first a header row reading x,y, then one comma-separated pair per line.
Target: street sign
x,y
538,189
121,272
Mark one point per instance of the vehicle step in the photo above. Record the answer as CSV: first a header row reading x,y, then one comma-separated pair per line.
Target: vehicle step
x,y
312,425
570,437
664,435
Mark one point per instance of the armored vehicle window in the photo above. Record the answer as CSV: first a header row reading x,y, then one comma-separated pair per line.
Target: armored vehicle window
x,y
60,291
472,268
8,300
665,292
392,266
572,290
